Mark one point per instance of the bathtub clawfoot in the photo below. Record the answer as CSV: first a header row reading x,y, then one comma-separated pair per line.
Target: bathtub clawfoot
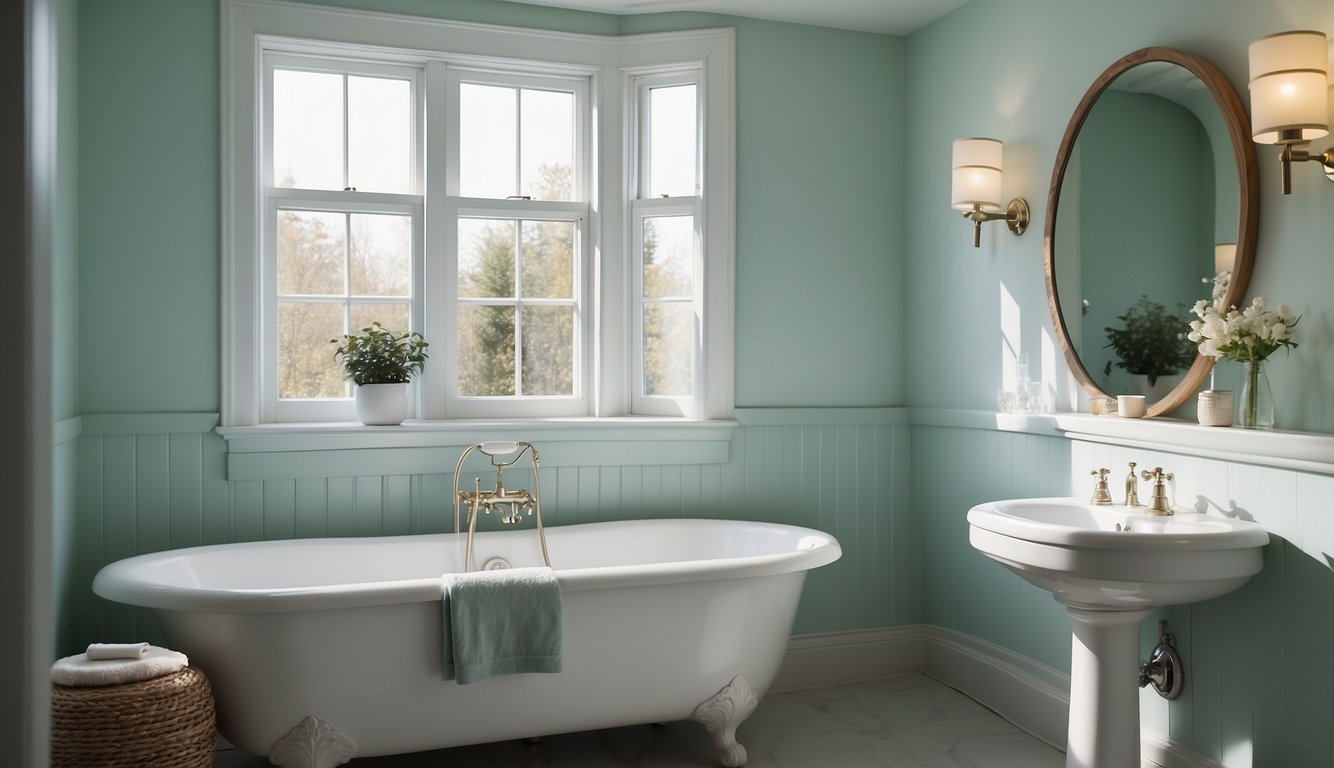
x,y
722,713
313,744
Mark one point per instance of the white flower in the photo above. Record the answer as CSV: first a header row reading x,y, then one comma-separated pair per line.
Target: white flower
x,y
1250,334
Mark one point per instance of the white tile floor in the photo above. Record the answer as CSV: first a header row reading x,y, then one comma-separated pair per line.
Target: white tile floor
x,y
903,722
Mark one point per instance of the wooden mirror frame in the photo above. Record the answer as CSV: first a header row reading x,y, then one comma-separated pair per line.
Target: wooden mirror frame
x,y
1243,150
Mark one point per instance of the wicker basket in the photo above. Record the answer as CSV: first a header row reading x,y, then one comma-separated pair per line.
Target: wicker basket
x,y
165,722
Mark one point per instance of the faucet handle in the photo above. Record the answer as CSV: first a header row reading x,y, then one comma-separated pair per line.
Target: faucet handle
x,y
1102,497
1158,503
1157,475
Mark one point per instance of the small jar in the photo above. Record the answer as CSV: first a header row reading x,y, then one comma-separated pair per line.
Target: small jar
x,y
1215,407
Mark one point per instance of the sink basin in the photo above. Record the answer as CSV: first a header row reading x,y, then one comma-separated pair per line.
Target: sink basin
x,y
1117,557
1109,566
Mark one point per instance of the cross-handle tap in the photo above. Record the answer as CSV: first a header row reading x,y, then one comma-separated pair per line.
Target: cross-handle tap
x,y
1101,496
1132,488
1158,503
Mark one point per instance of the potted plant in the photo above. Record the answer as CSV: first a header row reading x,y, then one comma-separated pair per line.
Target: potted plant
x,y
1151,343
381,363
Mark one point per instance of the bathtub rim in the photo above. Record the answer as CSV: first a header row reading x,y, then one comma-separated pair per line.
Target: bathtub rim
x,y
117,581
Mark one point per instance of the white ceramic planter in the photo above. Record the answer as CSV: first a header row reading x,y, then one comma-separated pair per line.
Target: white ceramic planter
x,y
382,404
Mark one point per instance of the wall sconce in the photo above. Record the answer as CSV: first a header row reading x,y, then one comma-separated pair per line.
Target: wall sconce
x,y
1290,97
976,187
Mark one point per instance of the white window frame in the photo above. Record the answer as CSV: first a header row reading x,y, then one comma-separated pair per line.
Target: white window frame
x,y
643,206
576,211
346,201
252,27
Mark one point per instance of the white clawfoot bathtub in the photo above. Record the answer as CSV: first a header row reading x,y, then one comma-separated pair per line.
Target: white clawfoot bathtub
x,y
663,620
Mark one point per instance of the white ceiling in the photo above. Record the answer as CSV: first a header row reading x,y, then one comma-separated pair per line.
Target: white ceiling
x,y
894,17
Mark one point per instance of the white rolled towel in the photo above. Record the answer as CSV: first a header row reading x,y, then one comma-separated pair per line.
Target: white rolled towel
x,y
79,670
104,651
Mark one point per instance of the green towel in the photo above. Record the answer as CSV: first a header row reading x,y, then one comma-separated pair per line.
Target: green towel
x,y
501,623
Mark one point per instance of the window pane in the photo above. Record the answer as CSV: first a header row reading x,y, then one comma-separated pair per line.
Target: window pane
x,y
669,330
548,350
379,134
306,365
486,258
672,141
381,254
486,351
547,150
548,259
311,253
669,255
307,130
394,317
488,131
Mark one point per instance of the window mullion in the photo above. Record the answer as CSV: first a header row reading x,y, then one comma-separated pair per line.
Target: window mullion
x,y
440,257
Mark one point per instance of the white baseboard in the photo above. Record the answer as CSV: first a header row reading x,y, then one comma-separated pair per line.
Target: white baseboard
x,y
831,658
1032,696
1158,751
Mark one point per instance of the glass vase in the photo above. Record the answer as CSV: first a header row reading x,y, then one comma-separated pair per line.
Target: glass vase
x,y
1256,404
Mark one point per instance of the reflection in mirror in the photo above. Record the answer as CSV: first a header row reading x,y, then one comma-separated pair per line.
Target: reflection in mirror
x,y
1150,180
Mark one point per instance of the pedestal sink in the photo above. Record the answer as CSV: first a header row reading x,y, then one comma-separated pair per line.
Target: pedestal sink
x,y
1109,565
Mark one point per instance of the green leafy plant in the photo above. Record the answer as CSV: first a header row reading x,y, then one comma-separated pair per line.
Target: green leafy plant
x,y
1152,343
379,356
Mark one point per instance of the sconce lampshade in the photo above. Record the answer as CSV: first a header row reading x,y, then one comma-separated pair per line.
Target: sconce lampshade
x,y
977,175
1289,88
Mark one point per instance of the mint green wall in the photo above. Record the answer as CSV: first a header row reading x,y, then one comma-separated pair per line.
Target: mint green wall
x,y
987,70
148,206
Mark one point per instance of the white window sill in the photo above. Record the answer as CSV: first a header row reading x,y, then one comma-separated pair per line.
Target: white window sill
x,y
344,449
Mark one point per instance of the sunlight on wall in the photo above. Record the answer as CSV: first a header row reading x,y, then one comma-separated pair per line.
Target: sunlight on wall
x,y
1010,334
1239,754
1064,394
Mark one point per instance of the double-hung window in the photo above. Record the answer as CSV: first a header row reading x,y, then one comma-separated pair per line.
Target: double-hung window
x,y
341,222
515,303
666,252
552,211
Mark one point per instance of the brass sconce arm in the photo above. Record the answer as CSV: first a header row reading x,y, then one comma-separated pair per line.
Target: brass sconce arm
x,y
1016,217
1295,152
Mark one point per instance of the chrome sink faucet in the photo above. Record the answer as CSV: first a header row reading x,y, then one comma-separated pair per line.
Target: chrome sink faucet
x,y
1158,502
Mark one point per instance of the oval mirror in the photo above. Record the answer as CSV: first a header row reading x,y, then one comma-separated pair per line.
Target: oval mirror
x,y
1153,192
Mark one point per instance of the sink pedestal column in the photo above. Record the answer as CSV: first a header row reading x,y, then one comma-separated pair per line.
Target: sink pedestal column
x,y
1104,688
